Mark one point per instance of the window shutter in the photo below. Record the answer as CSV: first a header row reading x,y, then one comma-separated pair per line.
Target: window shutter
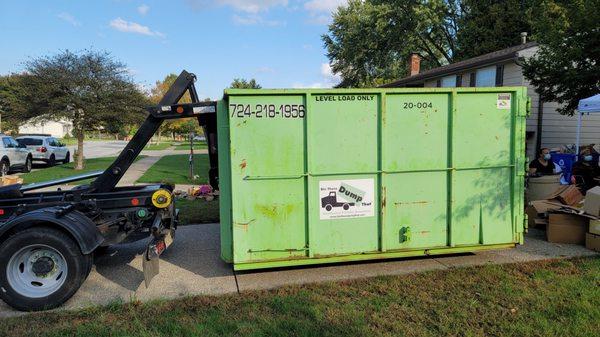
x,y
499,75
473,79
458,81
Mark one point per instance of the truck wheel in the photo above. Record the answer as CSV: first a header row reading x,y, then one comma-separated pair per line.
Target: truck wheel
x,y
328,207
52,161
345,207
40,269
27,167
4,168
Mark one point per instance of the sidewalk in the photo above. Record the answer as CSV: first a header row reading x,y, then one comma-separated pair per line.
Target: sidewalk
x,y
192,266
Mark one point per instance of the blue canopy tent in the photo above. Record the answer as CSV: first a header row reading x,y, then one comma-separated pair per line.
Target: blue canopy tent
x,y
586,105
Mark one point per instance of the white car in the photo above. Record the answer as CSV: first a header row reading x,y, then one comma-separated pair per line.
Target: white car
x,y
13,156
46,149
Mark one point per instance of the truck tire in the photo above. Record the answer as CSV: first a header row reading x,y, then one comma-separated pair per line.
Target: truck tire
x,y
41,268
328,207
346,207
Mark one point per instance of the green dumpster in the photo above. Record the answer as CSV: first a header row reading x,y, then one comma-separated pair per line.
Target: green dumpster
x,y
313,176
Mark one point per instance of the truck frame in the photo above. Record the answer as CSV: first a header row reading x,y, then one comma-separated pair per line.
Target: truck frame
x,y
48,238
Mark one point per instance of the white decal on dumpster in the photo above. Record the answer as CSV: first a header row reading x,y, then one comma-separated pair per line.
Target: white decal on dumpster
x,y
343,199
503,101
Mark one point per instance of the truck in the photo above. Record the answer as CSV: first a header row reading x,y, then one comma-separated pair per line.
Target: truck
x,y
48,238
331,201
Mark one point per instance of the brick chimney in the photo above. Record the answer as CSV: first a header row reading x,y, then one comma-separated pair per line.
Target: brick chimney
x,y
414,64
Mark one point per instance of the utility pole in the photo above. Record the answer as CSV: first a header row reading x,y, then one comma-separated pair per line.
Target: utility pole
x,y
191,156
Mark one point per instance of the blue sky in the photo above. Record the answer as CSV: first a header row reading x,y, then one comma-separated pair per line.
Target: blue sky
x,y
278,42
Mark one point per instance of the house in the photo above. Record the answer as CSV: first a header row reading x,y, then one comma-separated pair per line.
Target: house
x,y
545,126
58,129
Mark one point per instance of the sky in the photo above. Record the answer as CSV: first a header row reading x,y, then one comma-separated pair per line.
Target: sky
x,y
278,42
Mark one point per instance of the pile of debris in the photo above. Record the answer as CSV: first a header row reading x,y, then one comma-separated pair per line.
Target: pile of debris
x,y
568,216
205,192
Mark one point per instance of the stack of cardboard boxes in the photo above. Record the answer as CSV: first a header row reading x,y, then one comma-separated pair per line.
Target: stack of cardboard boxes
x,y
568,217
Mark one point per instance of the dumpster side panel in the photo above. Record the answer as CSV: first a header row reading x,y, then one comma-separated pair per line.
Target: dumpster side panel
x,y
414,162
482,160
224,182
268,165
342,132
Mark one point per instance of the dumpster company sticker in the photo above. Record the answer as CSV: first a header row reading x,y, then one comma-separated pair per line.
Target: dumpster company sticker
x,y
343,199
503,101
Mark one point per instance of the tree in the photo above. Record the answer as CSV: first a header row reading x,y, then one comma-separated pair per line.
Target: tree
x,y
489,25
240,83
178,126
566,67
10,108
369,42
89,88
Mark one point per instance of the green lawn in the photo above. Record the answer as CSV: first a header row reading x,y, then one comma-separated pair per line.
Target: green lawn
x,y
197,146
548,298
66,170
73,141
197,211
174,169
159,146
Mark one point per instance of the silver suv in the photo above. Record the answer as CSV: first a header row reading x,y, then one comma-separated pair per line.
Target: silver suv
x,y
13,156
45,148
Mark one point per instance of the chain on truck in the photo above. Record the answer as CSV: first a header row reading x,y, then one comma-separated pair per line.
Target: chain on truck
x,y
48,238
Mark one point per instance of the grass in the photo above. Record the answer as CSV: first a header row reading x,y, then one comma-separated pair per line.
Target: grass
x,y
548,298
197,146
159,146
73,141
67,170
174,169
198,211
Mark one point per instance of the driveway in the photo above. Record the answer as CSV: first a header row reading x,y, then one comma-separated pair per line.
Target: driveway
x,y
192,266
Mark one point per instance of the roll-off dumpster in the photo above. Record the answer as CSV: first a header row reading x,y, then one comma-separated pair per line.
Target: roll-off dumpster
x,y
330,175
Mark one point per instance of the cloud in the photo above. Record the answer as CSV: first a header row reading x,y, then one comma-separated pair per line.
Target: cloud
x,y
329,75
329,79
66,17
143,9
248,6
254,19
133,27
320,11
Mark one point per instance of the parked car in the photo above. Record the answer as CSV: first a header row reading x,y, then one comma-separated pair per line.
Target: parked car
x,y
13,156
46,149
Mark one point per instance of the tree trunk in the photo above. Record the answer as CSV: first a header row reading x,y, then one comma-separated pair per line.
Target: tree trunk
x,y
79,159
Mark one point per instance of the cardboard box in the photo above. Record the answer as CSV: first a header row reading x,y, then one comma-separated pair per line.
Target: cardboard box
x,y
591,205
592,241
11,180
567,228
594,227
568,195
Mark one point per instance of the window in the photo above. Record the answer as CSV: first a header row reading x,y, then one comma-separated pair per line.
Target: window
x,y
438,83
6,142
472,79
500,75
458,81
486,77
448,81
30,141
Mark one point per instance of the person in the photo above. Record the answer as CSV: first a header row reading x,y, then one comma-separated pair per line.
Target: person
x,y
585,170
543,164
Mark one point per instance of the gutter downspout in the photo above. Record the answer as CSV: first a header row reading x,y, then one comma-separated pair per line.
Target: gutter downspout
x,y
540,122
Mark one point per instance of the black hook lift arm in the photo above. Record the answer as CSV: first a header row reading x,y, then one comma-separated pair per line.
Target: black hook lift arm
x,y
167,108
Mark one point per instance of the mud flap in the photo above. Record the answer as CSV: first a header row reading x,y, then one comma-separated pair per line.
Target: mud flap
x,y
151,257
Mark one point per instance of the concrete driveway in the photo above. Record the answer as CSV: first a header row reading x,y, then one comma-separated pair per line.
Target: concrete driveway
x,y
192,266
